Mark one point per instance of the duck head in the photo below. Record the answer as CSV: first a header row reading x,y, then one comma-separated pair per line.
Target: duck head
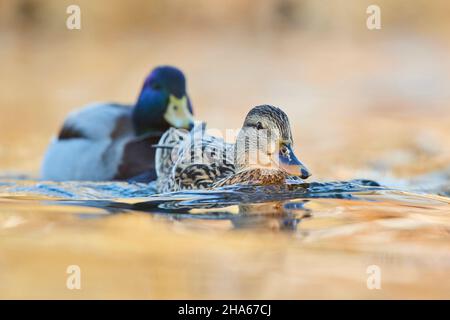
x,y
265,141
163,102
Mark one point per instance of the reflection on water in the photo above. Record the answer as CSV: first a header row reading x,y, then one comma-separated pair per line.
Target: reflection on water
x,y
302,240
240,203
361,104
351,118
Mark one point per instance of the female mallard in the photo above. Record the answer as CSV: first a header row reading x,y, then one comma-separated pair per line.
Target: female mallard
x,y
262,155
112,141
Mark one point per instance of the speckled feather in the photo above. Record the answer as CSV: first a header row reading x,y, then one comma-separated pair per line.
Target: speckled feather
x,y
256,176
280,119
212,163
182,164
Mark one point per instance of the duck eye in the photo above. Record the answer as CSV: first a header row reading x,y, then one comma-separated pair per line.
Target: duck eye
x,y
259,126
156,86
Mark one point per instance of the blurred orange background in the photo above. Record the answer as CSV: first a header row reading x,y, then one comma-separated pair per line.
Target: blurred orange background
x,y
359,100
362,104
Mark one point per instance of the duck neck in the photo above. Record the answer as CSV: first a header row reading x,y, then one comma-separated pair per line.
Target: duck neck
x,y
247,158
148,118
252,151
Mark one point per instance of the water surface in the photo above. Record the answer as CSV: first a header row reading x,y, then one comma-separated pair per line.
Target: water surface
x,y
308,240
373,106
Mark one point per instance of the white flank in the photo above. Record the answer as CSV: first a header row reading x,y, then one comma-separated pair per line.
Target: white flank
x,y
93,158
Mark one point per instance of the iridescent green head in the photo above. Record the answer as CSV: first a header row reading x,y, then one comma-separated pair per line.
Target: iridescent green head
x,y
163,102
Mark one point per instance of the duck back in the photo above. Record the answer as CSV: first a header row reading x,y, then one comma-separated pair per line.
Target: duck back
x,y
89,146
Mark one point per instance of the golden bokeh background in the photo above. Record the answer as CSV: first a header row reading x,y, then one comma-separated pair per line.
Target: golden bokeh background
x,y
353,95
362,104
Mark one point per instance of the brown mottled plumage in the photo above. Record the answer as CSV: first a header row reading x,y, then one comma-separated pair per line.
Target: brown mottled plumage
x,y
254,177
199,161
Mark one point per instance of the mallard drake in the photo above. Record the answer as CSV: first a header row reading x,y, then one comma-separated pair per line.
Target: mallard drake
x,y
109,141
262,155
